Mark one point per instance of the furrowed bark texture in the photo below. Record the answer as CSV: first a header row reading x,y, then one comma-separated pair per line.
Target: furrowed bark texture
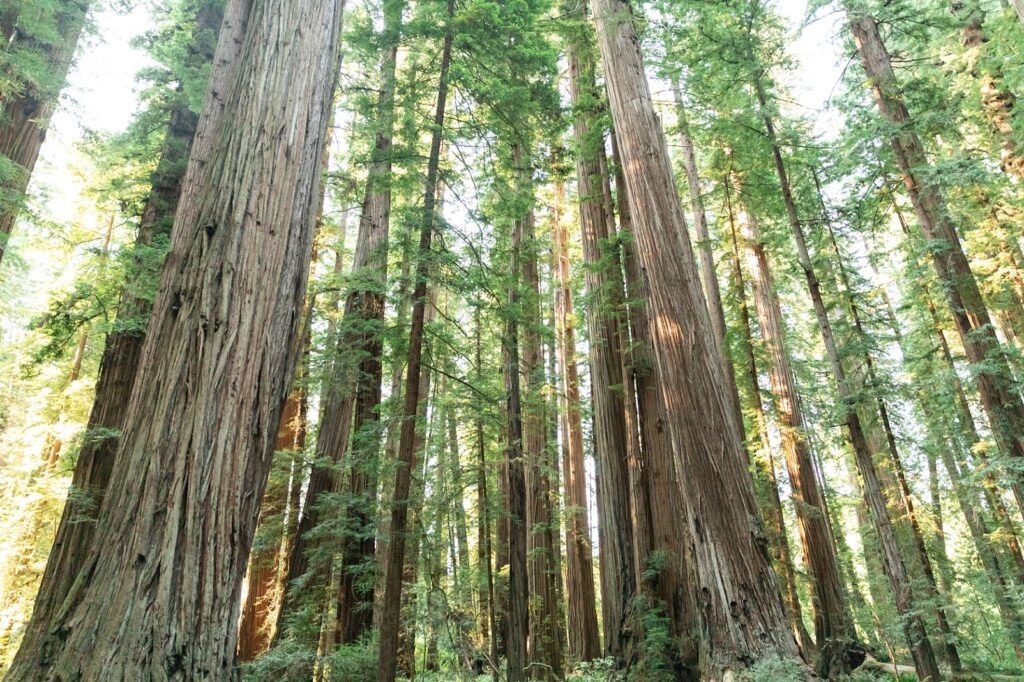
x,y
1001,401
26,115
584,640
122,351
671,585
158,594
738,591
712,290
615,532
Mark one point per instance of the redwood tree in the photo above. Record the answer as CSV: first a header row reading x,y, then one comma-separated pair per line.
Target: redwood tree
x,y
158,595
731,565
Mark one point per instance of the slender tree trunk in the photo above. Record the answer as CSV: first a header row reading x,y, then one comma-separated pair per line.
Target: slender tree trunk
x,y
259,608
1001,401
833,626
731,563
778,539
26,116
391,604
417,534
584,640
712,290
196,449
488,620
615,532
544,639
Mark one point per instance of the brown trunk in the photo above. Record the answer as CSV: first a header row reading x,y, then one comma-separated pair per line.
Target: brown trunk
x,y
584,640
123,346
26,116
660,529
416,533
391,604
489,618
712,291
833,626
544,638
615,531
259,607
999,398
731,563
778,540
214,373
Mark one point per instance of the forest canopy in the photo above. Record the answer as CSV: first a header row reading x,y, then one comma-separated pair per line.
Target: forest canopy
x,y
619,340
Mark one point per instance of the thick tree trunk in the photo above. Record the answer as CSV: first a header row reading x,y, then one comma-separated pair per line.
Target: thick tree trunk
x,y
1001,401
731,562
584,639
391,604
193,461
123,346
659,521
615,532
26,116
833,626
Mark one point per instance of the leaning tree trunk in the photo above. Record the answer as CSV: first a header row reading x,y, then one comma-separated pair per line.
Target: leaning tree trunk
x,y
391,604
833,626
778,540
1001,401
712,290
731,564
26,116
214,373
615,532
584,640
123,347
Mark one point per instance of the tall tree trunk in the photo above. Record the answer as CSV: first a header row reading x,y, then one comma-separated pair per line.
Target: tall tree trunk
x,y
416,530
26,115
663,563
728,543
193,460
391,604
584,639
258,609
517,619
544,637
1000,399
351,396
615,532
489,619
778,539
123,346
712,290
833,626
